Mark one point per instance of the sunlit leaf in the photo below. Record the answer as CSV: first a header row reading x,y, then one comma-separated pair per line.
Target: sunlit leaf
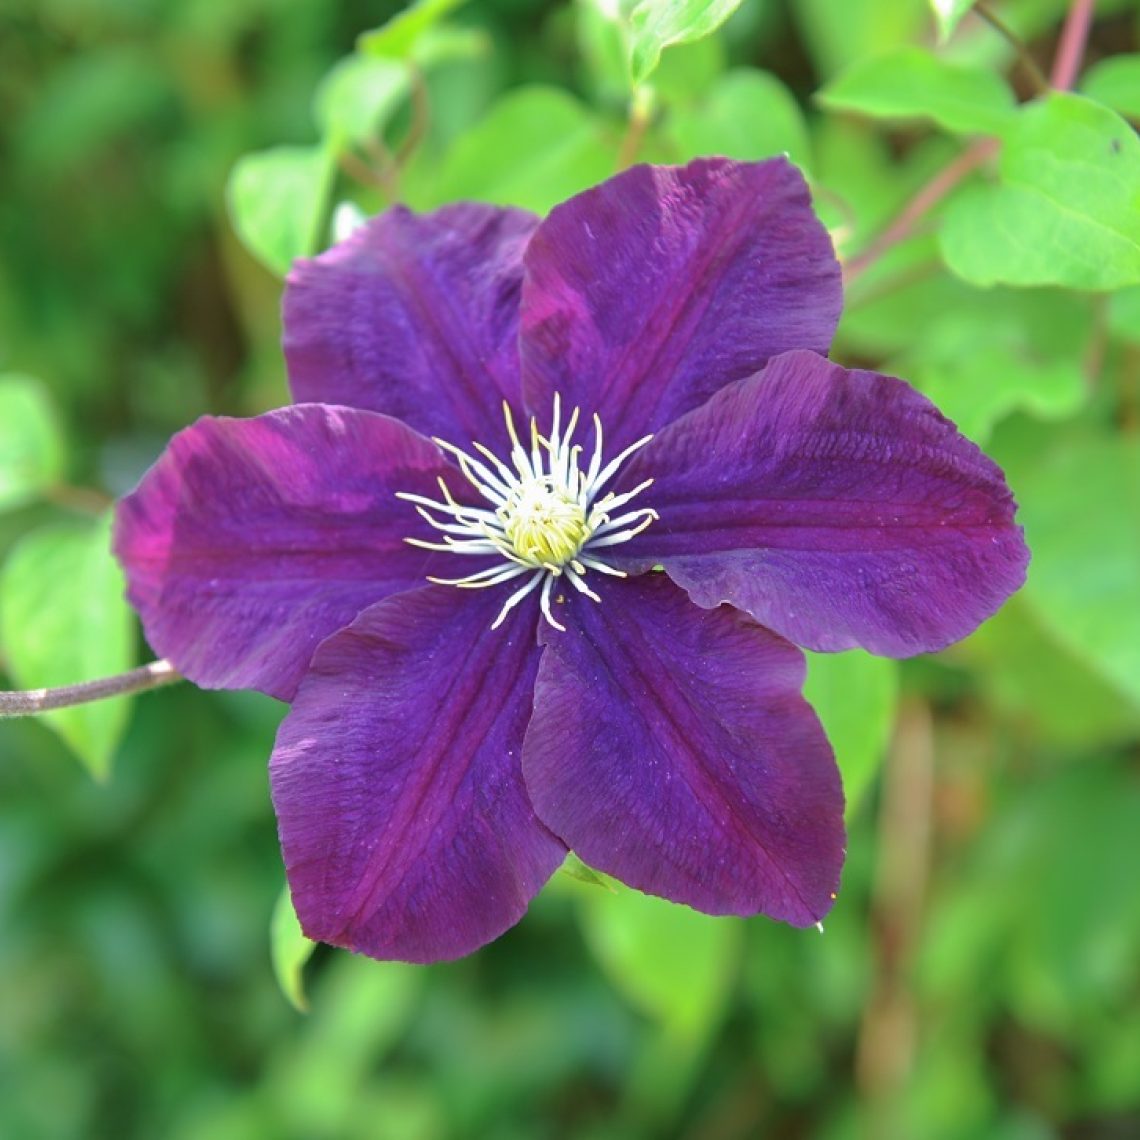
x,y
398,37
290,950
320,1072
773,124
356,98
1079,505
687,72
278,199
1115,82
674,964
980,363
1067,209
534,148
601,41
855,696
576,869
1124,314
656,24
1039,683
910,83
31,446
63,620
837,34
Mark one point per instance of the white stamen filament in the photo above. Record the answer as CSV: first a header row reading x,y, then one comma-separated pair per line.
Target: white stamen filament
x,y
547,518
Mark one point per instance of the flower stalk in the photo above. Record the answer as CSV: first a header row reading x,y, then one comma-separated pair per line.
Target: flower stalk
x,y
31,702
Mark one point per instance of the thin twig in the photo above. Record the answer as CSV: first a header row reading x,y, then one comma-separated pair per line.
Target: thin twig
x,y
917,208
29,702
1071,49
1036,75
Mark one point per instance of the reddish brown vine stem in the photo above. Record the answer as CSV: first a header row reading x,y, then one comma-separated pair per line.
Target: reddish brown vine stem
x,y
1066,68
1071,49
919,206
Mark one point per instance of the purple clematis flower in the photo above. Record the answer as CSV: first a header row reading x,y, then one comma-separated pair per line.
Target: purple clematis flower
x,y
531,554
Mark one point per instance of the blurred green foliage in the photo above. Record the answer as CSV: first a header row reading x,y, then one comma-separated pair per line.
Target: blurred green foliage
x,y
980,976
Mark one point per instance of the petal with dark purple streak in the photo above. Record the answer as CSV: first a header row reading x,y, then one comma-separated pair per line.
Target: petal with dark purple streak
x,y
397,779
415,316
839,508
249,541
670,747
646,294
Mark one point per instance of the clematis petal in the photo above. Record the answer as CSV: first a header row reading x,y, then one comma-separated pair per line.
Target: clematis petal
x,y
249,541
839,508
397,779
670,747
415,316
646,294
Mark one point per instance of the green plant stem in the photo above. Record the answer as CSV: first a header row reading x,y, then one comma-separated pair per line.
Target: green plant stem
x,y
640,116
29,702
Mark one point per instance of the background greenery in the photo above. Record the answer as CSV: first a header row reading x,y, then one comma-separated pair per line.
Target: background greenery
x,y
160,164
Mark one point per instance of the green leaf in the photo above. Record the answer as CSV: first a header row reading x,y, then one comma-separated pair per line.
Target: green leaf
x,y
1124,314
31,446
357,97
278,199
855,696
1019,351
672,963
676,966
910,83
600,35
1116,83
773,125
536,147
1079,503
580,872
978,390
398,37
655,24
687,71
837,34
63,620
1036,681
1067,209
290,950
948,14
88,103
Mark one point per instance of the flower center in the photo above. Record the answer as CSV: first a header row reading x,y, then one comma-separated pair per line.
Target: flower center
x,y
544,524
546,517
